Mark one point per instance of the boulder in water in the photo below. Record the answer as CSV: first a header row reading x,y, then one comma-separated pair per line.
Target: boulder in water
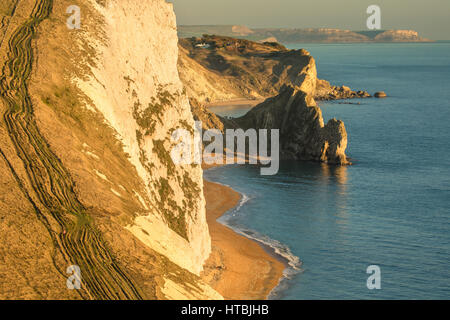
x,y
380,94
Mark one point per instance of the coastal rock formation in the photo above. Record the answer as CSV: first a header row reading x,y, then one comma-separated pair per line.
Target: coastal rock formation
x,y
307,35
303,134
324,35
294,89
400,36
216,68
229,68
269,40
137,88
325,91
208,119
241,30
380,94
85,160
292,109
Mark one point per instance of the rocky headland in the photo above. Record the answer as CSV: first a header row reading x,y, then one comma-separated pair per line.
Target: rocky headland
x,y
226,68
303,134
306,35
215,68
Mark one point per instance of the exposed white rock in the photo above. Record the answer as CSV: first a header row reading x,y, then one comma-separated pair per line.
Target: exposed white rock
x,y
135,85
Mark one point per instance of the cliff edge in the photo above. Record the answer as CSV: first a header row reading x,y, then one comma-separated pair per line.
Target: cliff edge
x,y
216,68
85,142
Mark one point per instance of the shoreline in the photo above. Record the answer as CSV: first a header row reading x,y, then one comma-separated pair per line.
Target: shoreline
x,y
236,103
239,268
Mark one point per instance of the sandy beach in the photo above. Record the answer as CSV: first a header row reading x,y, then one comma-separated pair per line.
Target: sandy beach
x,y
237,103
233,108
238,268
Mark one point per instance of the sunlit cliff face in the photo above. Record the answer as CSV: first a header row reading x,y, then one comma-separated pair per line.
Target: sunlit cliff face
x,y
135,85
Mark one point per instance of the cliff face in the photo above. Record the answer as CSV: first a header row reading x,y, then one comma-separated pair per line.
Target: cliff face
x,y
102,191
303,135
215,68
292,109
288,76
135,85
222,68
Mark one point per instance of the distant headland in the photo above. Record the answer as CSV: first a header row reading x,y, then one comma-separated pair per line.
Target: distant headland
x,y
309,35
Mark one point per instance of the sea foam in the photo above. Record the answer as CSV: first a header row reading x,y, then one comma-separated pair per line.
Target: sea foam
x,y
282,251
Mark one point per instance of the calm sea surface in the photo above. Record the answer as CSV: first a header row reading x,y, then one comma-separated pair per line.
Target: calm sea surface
x,y
391,208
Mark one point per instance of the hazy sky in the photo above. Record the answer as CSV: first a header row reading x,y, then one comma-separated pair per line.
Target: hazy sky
x,y
431,18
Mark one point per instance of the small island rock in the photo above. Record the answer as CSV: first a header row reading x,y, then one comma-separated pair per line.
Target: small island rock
x,y
380,94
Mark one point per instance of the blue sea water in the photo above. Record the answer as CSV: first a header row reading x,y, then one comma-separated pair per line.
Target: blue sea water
x,y
391,208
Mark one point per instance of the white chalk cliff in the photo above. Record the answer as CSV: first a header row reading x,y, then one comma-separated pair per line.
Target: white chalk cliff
x,y
136,86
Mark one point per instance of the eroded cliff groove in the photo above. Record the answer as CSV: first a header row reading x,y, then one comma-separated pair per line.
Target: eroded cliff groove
x,y
66,219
